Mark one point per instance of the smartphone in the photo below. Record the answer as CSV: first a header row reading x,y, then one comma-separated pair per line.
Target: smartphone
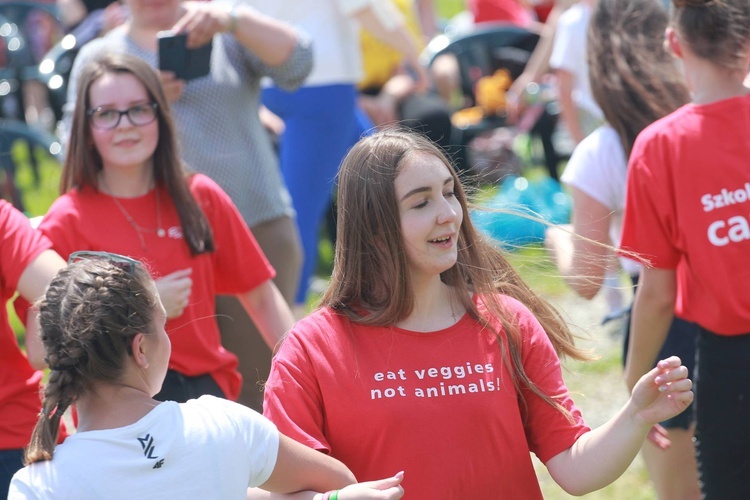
x,y
186,64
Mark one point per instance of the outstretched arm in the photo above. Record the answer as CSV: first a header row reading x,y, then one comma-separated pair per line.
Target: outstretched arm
x,y
602,455
31,285
269,311
582,256
269,39
387,24
299,467
383,489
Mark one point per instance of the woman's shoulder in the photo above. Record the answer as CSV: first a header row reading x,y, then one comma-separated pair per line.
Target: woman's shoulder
x,y
507,302
319,322
206,191
73,204
665,127
518,312
322,330
600,149
201,183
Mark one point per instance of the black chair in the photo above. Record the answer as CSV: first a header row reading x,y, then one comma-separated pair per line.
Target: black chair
x,y
481,52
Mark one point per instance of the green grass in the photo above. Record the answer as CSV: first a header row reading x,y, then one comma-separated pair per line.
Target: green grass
x,y
37,196
446,9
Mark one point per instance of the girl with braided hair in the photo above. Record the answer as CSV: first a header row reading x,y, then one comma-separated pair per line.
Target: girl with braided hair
x,y
687,212
102,326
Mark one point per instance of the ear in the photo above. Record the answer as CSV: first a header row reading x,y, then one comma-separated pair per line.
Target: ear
x,y
139,350
673,42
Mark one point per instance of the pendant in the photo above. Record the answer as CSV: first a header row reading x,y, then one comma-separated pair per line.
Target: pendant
x,y
161,233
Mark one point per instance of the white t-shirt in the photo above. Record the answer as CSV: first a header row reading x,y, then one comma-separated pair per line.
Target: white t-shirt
x,y
598,167
569,54
336,48
203,449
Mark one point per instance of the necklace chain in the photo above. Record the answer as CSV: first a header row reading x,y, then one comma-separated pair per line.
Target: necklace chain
x,y
139,230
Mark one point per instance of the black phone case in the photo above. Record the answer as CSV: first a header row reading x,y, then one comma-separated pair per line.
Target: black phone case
x,y
186,64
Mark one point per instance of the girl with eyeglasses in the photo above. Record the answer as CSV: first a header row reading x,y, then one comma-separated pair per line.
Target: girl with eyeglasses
x,y
429,351
221,134
103,328
687,211
125,189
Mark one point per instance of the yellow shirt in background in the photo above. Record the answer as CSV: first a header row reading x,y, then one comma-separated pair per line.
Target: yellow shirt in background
x,y
380,60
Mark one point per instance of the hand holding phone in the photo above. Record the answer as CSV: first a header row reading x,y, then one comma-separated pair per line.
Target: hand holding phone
x,y
186,64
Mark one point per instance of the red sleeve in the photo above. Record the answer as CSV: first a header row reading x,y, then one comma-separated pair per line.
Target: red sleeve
x,y
21,245
240,264
548,431
649,227
292,399
60,225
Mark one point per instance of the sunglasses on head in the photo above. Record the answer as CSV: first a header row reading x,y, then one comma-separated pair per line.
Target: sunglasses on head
x,y
125,263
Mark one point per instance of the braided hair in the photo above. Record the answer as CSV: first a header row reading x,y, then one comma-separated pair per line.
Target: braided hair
x,y
89,316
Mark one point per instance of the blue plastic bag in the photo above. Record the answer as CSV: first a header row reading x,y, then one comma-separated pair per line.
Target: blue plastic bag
x,y
539,200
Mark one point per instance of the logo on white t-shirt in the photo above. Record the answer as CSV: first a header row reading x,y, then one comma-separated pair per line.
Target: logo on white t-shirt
x,y
149,450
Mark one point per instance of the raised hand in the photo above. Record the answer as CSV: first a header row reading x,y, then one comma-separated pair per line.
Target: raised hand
x,y
174,291
662,393
173,86
201,21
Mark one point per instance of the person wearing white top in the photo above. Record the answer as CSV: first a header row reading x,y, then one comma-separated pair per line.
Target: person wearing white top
x,y
102,325
321,119
579,111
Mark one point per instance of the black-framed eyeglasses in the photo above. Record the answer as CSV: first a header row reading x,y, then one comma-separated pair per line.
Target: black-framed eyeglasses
x,y
107,118
121,261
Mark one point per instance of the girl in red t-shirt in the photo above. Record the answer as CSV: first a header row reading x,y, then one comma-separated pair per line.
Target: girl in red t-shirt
x,y
686,212
125,189
426,341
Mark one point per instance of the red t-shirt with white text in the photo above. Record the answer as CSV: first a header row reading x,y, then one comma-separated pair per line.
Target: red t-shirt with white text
x,y
440,406
688,208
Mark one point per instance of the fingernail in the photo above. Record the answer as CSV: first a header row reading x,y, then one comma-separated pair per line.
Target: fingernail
x,y
663,388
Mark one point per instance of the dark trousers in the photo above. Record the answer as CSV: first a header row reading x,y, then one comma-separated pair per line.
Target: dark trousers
x,y
10,462
723,415
178,387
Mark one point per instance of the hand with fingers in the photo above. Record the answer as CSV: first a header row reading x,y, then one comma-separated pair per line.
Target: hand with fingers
x,y
383,489
174,291
662,393
173,86
201,21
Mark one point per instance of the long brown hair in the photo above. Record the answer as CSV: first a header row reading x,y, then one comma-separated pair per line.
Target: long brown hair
x,y
715,30
83,163
88,317
371,281
634,80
